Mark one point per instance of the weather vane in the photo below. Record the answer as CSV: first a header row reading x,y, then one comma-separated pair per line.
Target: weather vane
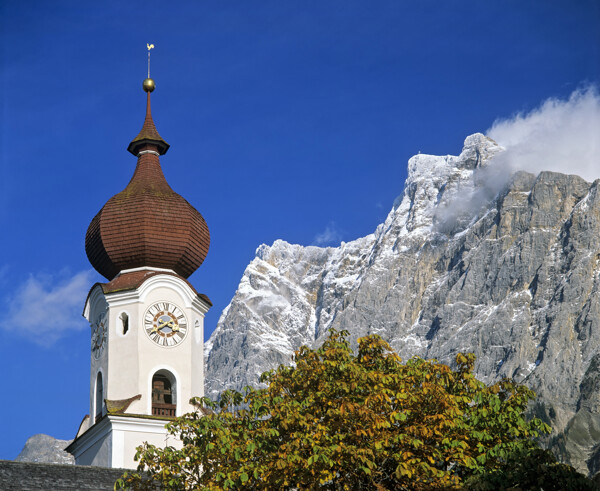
x,y
150,46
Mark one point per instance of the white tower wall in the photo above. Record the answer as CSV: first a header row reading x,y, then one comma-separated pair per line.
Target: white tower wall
x,y
128,362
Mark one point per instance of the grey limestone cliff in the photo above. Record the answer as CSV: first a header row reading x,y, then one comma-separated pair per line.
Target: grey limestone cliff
x,y
506,267
46,449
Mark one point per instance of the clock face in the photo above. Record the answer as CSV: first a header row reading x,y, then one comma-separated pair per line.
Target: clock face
x,y
99,335
165,324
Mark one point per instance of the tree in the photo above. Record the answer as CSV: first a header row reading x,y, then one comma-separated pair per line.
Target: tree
x,y
536,469
337,420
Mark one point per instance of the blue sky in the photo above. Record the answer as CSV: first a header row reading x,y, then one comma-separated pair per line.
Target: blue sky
x,y
289,120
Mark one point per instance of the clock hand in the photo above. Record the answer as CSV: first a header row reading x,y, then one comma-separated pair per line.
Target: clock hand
x,y
159,326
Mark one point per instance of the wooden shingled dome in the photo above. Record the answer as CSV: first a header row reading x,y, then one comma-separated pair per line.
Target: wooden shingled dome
x,y
147,224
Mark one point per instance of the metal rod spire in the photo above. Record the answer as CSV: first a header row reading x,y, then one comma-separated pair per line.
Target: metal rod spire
x,y
149,46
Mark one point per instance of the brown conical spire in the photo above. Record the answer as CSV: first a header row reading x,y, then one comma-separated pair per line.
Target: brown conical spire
x,y
149,135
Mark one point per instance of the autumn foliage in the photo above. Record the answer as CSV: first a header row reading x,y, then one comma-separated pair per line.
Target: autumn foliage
x,y
340,420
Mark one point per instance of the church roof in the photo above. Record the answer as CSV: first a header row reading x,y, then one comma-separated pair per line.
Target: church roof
x,y
34,476
120,406
134,279
147,224
148,134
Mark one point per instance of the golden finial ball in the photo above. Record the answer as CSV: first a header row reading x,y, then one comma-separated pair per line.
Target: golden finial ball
x,y
149,85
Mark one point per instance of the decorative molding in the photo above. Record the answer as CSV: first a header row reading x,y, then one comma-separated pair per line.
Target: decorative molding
x,y
168,281
187,294
146,268
89,438
85,423
135,424
201,305
94,296
153,152
113,427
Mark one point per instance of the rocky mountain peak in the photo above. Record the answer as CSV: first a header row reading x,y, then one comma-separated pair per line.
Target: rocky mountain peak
x,y
46,449
470,258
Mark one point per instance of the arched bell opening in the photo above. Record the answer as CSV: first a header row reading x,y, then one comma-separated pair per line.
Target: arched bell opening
x,y
99,399
164,394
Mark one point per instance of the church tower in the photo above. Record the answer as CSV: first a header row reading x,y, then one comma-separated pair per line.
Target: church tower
x,y
147,321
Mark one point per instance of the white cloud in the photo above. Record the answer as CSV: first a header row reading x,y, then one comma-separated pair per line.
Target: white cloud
x,y
560,135
330,236
45,307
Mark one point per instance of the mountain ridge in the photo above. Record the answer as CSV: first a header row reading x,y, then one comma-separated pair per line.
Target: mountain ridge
x,y
470,258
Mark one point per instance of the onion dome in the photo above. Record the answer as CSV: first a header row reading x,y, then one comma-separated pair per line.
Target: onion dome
x,y
147,224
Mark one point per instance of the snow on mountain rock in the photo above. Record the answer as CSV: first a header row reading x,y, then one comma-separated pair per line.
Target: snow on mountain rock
x,y
469,258
44,448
